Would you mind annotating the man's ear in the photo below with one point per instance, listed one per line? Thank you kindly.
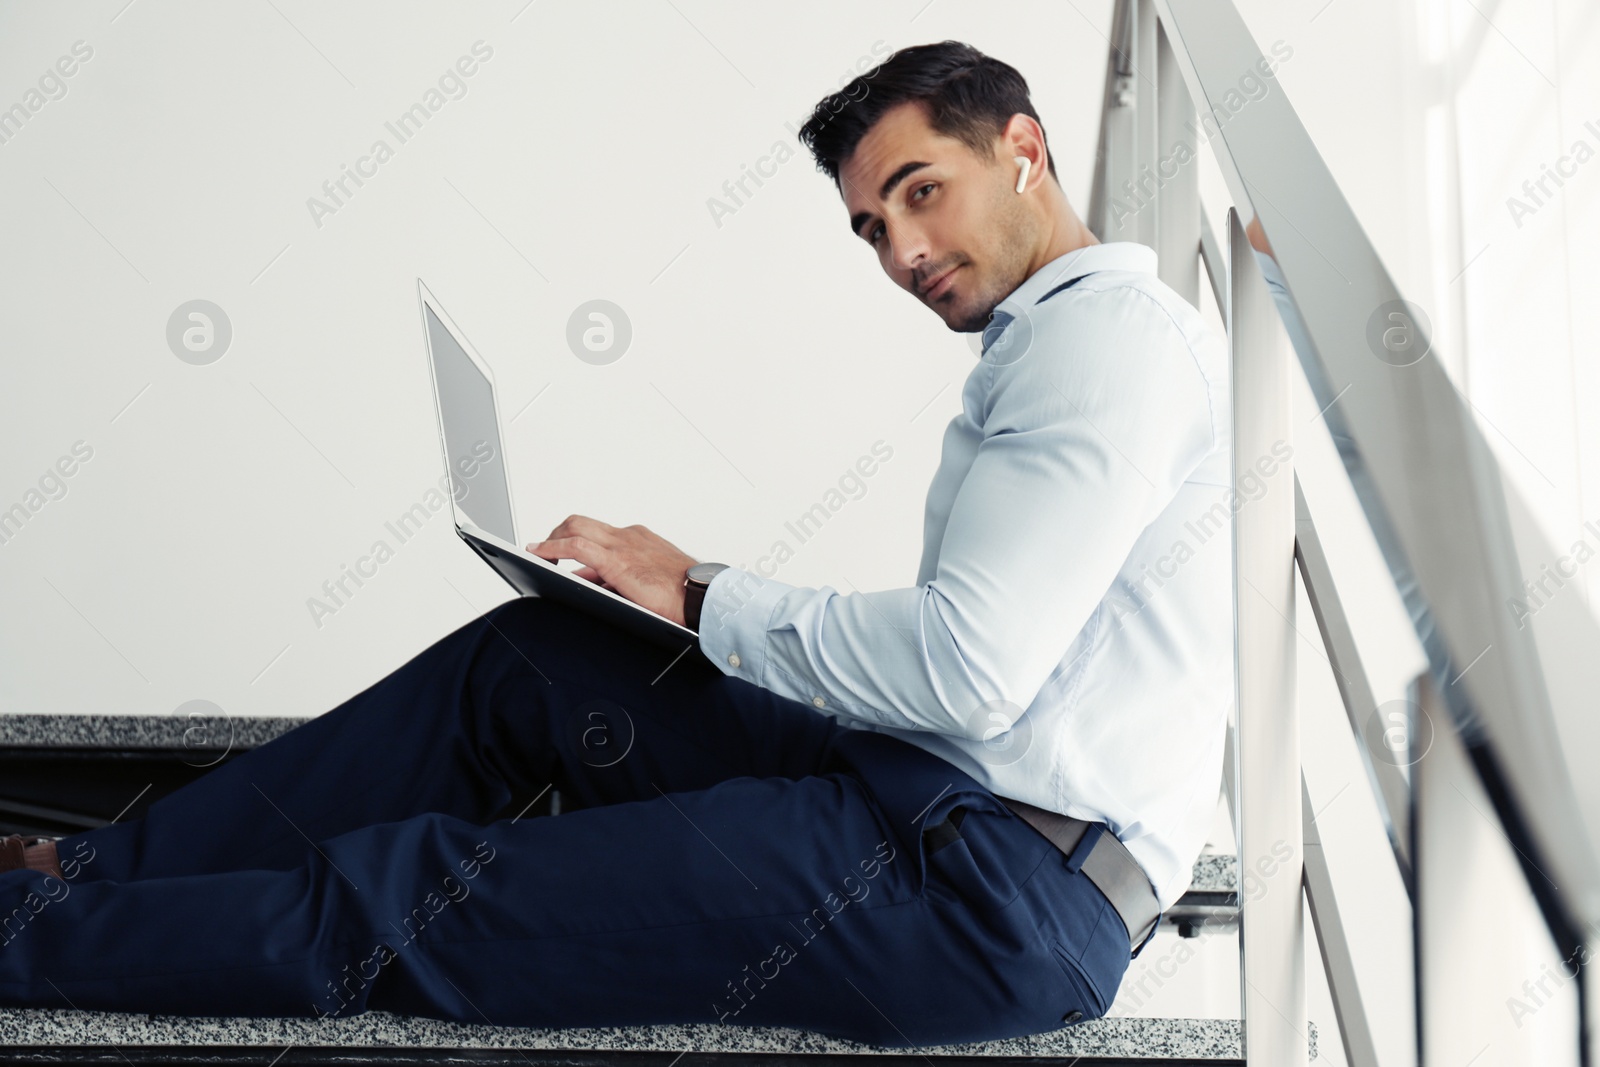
(1022, 136)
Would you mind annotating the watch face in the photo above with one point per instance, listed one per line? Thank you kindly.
(704, 572)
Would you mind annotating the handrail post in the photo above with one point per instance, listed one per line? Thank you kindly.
(1120, 202)
(1114, 147)
(1267, 821)
(1145, 126)
(1178, 174)
(1338, 962)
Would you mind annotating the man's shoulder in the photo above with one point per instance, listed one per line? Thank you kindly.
(1121, 309)
(1141, 293)
(1118, 306)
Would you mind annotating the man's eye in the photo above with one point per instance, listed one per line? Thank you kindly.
(918, 193)
(872, 235)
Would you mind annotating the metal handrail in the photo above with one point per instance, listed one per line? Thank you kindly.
(1422, 472)
(1425, 479)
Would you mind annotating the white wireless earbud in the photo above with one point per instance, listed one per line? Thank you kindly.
(1022, 179)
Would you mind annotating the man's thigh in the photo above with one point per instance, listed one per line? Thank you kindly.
(628, 720)
(762, 902)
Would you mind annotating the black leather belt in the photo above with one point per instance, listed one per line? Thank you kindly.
(1108, 863)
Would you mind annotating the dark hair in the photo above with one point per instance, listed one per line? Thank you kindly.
(966, 95)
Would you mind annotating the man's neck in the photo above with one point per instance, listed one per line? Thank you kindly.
(1065, 233)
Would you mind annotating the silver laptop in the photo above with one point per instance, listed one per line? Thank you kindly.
(475, 457)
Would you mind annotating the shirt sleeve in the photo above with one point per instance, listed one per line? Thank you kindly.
(1085, 439)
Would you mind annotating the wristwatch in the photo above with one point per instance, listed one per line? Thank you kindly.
(695, 584)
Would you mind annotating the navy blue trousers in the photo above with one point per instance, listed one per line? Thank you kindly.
(724, 855)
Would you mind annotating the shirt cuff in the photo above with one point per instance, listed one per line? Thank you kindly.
(733, 621)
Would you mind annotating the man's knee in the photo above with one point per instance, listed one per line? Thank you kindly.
(550, 624)
(530, 622)
(527, 609)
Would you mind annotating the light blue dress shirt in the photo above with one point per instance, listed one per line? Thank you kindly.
(1069, 638)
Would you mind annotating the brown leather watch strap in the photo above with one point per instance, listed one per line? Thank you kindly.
(695, 590)
(694, 598)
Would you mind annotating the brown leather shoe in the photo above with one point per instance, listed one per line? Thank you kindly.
(34, 853)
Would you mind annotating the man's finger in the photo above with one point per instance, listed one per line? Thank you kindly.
(582, 526)
(579, 548)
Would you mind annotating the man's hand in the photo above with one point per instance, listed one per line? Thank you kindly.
(629, 560)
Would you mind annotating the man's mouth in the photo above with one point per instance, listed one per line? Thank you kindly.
(941, 284)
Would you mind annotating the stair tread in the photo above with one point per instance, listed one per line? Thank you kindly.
(1128, 1038)
(1215, 872)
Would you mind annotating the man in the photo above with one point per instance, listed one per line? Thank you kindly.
(927, 815)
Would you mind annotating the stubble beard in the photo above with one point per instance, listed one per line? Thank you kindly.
(1016, 229)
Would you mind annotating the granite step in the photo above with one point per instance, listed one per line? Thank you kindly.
(37, 1035)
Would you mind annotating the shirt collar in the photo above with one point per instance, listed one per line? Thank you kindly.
(1108, 255)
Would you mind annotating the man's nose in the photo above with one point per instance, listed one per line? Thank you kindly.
(908, 248)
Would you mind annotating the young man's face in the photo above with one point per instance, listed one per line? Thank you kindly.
(948, 226)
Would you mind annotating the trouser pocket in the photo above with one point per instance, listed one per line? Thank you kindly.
(964, 862)
(1084, 933)
(1083, 1000)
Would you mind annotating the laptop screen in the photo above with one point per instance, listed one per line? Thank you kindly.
(471, 434)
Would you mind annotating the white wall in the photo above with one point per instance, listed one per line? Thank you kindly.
(769, 351)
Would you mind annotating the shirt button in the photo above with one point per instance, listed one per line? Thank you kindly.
(1072, 1016)
(733, 659)
(819, 702)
